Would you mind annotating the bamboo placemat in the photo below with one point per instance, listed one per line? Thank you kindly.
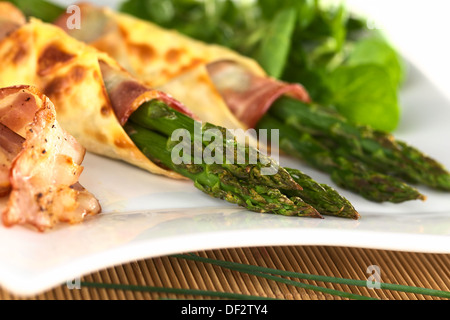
(403, 268)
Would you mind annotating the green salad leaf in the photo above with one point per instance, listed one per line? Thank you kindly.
(365, 93)
(376, 50)
(274, 49)
(44, 10)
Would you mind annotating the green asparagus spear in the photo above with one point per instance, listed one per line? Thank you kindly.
(327, 200)
(378, 150)
(346, 172)
(151, 128)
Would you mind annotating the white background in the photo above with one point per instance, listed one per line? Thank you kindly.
(420, 30)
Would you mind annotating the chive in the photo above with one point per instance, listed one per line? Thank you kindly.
(253, 270)
(359, 283)
(222, 295)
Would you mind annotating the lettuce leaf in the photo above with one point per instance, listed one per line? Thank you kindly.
(376, 50)
(366, 95)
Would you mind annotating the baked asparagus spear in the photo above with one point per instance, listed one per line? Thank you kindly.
(325, 199)
(152, 126)
(347, 173)
(358, 158)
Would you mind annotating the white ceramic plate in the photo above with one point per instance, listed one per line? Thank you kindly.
(147, 216)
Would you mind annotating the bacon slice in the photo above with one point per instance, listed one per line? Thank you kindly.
(250, 96)
(10, 146)
(18, 108)
(127, 94)
(44, 174)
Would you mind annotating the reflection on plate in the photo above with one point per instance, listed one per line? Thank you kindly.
(147, 216)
